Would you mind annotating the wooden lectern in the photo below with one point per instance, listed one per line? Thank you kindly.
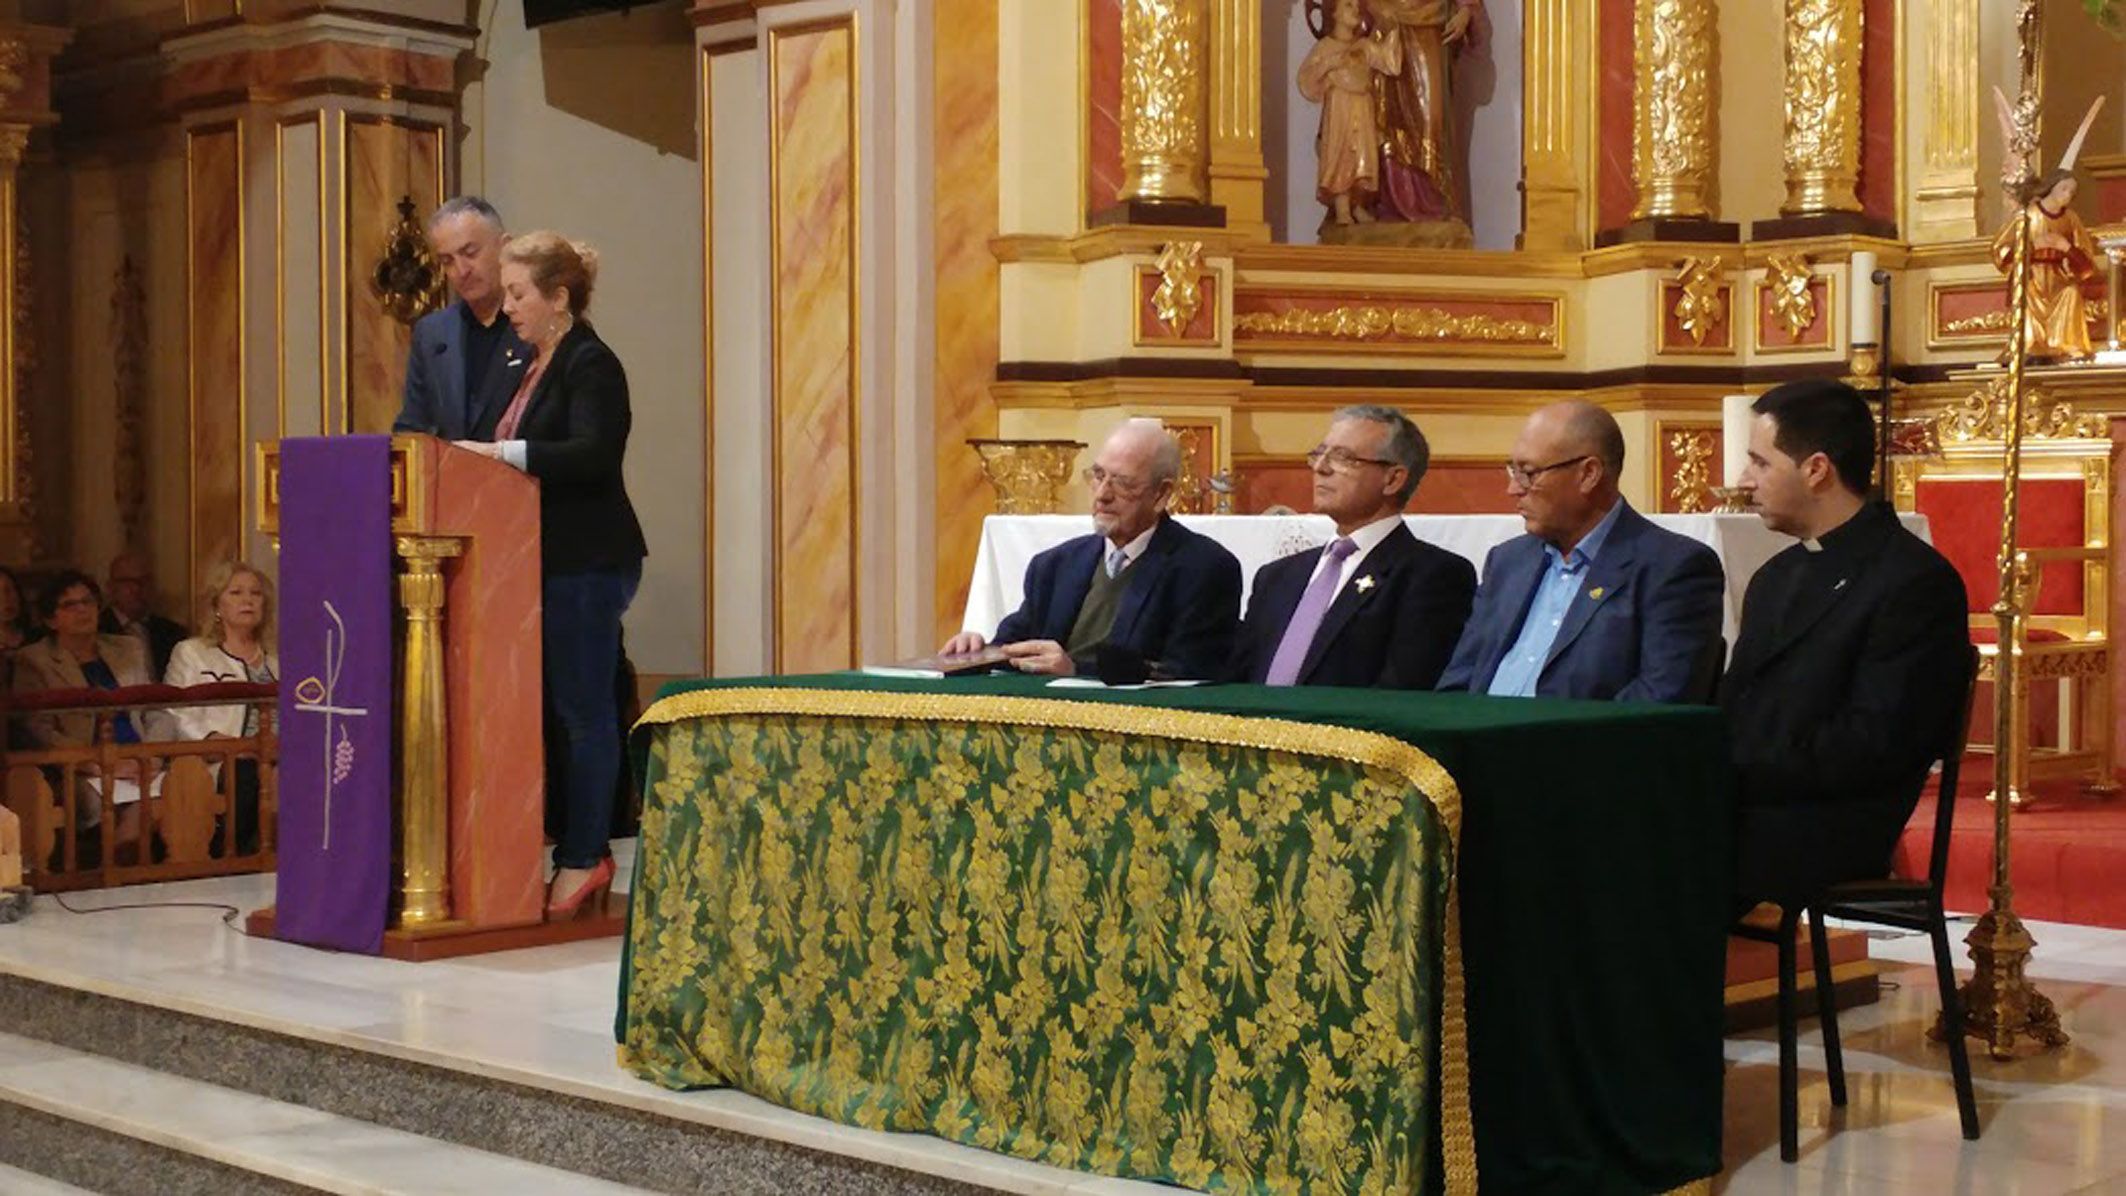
(471, 784)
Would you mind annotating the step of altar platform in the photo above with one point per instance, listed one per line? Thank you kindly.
(16, 1182)
(117, 1127)
(509, 1054)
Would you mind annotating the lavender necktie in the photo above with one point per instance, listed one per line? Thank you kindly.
(1306, 620)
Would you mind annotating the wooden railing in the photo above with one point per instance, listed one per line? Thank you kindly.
(186, 825)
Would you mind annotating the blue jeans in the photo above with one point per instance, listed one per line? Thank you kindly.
(582, 638)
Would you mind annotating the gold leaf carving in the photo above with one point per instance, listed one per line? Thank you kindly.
(1366, 322)
(1687, 489)
(1163, 55)
(1673, 108)
(1983, 415)
(1822, 105)
(1180, 293)
(1703, 305)
(1997, 321)
(1793, 295)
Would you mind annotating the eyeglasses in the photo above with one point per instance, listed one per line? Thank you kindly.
(1525, 477)
(1123, 487)
(1340, 460)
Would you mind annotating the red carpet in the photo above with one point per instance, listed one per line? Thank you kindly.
(2068, 853)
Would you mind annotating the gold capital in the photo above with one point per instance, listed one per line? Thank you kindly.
(1672, 108)
(1164, 54)
(1823, 41)
(424, 756)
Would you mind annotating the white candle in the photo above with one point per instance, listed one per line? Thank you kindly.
(1735, 419)
(1867, 301)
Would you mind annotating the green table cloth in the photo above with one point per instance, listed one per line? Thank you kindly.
(1206, 935)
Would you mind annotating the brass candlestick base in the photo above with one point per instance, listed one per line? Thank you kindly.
(2000, 1005)
(1732, 500)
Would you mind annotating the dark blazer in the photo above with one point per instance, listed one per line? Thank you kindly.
(1396, 633)
(1641, 628)
(163, 637)
(1838, 709)
(435, 400)
(575, 430)
(1181, 608)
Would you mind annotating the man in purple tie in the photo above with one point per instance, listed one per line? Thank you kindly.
(1376, 607)
(1141, 586)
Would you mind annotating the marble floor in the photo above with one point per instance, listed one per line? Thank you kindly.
(2053, 1124)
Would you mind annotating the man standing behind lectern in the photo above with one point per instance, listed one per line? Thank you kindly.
(466, 361)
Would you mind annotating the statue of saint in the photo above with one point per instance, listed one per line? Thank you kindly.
(1339, 74)
(2063, 256)
(1421, 176)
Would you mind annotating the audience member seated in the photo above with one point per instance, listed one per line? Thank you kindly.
(234, 644)
(75, 656)
(1141, 585)
(1376, 606)
(1852, 662)
(1595, 601)
(132, 593)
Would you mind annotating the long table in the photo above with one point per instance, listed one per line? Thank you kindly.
(1743, 543)
(1226, 936)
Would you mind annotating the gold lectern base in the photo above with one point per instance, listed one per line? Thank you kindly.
(450, 940)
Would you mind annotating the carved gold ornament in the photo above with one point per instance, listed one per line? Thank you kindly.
(1822, 106)
(1984, 416)
(1163, 56)
(1793, 293)
(14, 67)
(1694, 454)
(1180, 293)
(1702, 307)
(1364, 322)
(407, 281)
(1028, 473)
(1672, 108)
(1997, 321)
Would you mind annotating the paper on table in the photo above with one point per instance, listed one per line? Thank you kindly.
(1096, 683)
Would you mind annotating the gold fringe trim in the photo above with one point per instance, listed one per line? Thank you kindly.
(1321, 740)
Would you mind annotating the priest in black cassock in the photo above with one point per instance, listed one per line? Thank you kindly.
(1853, 658)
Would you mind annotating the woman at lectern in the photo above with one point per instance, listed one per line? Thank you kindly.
(568, 426)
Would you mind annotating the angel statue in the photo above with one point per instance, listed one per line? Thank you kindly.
(2063, 256)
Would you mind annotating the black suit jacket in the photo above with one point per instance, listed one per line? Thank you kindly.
(1395, 633)
(1181, 608)
(435, 401)
(1847, 681)
(575, 429)
(163, 638)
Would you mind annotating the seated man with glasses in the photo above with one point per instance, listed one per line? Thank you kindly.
(1376, 606)
(1595, 601)
(1141, 585)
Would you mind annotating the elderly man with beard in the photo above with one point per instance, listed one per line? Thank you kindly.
(1141, 583)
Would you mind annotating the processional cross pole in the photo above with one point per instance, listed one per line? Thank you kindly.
(2000, 1004)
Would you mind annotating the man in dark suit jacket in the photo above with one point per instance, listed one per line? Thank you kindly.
(1595, 601)
(129, 588)
(1376, 606)
(1141, 583)
(1853, 660)
(466, 361)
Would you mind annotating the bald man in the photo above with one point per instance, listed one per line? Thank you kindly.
(1141, 583)
(1594, 602)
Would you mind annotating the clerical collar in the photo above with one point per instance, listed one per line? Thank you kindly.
(1848, 537)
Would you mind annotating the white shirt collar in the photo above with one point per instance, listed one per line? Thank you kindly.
(1369, 537)
(1135, 548)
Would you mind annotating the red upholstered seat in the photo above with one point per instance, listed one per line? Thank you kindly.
(1964, 514)
(2035, 635)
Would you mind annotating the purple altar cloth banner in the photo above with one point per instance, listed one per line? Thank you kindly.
(334, 887)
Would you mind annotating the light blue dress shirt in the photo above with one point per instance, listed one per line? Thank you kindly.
(1522, 666)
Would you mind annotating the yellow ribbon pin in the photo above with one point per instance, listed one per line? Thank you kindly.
(1597, 593)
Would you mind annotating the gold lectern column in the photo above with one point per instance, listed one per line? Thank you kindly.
(1823, 115)
(1672, 108)
(1165, 56)
(424, 746)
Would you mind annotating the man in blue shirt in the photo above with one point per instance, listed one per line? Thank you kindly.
(1595, 601)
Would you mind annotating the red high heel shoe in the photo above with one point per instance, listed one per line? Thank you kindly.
(598, 883)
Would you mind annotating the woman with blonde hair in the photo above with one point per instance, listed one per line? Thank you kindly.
(234, 644)
(568, 426)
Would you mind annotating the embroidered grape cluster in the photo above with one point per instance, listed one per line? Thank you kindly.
(342, 758)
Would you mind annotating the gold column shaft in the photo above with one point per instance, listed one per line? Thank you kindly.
(1237, 172)
(424, 756)
(1823, 43)
(1553, 46)
(1673, 105)
(1164, 64)
(1945, 204)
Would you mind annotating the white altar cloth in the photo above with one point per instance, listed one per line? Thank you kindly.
(1743, 543)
